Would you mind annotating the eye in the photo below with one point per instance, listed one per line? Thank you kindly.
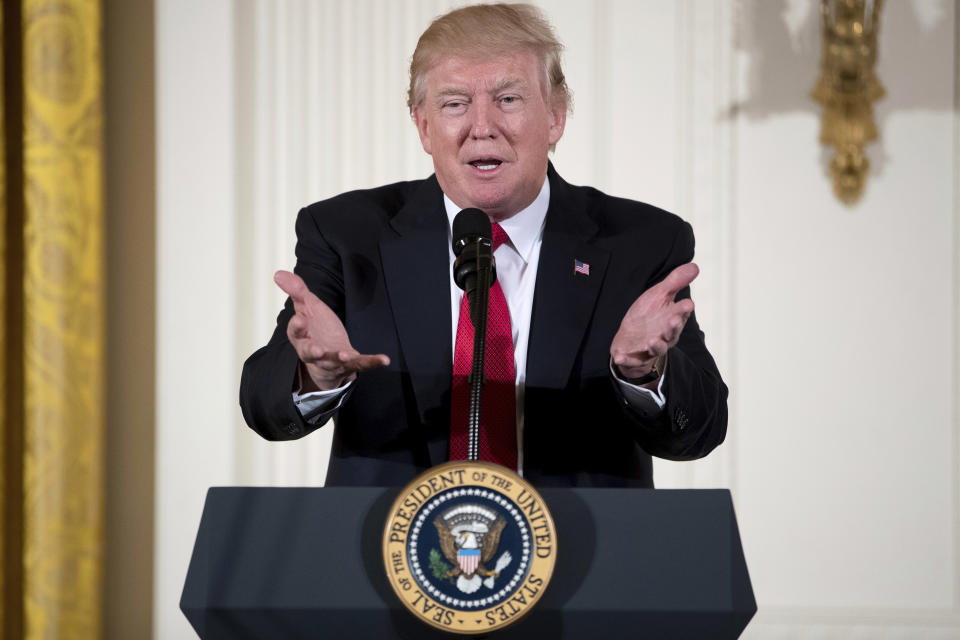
(509, 102)
(455, 106)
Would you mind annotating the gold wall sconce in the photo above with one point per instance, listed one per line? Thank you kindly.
(847, 89)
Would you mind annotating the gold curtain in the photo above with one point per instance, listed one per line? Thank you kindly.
(3, 337)
(52, 339)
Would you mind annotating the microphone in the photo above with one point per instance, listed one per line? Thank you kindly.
(474, 267)
(474, 271)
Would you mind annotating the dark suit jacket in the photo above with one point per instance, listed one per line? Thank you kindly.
(379, 259)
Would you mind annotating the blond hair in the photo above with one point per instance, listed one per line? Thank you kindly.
(484, 31)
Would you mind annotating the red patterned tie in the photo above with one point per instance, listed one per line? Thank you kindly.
(498, 414)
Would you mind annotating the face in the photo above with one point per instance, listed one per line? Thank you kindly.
(489, 128)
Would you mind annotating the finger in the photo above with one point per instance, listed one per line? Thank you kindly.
(673, 328)
(679, 278)
(327, 374)
(292, 285)
(684, 307)
(672, 335)
(675, 322)
(362, 362)
(657, 347)
(297, 327)
(633, 360)
(320, 355)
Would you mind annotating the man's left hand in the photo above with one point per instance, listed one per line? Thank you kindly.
(653, 323)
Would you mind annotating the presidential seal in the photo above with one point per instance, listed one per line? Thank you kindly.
(469, 547)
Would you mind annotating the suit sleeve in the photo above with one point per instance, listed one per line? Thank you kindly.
(694, 420)
(269, 375)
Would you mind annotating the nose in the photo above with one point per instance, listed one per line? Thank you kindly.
(483, 120)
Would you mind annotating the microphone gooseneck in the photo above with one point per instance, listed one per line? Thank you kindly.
(474, 271)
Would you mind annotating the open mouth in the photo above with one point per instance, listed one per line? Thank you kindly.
(486, 164)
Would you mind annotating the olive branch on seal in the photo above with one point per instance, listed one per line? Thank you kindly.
(438, 567)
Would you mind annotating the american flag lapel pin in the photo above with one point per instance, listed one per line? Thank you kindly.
(581, 267)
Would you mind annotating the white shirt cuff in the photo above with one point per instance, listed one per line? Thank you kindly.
(646, 402)
(312, 404)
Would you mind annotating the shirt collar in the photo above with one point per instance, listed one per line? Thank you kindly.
(524, 228)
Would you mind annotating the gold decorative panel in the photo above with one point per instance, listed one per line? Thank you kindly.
(4, 596)
(58, 235)
(847, 89)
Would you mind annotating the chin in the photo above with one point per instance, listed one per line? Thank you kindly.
(489, 200)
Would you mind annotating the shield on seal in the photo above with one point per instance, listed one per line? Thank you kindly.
(468, 560)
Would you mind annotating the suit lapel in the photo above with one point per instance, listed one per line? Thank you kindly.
(416, 262)
(564, 300)
(416, 268)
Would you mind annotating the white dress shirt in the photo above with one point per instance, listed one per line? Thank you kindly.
(517, 262)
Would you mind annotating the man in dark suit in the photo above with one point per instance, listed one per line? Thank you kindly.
(610, 366)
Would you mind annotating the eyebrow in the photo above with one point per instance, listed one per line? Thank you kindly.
(507, 83)
(500, 85)
(452, 91)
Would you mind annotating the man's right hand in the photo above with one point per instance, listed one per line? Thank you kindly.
(320, 339)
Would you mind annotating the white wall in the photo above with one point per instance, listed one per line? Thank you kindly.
(836, 328)
(196, 284)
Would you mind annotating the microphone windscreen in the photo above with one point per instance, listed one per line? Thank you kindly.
(468, 226)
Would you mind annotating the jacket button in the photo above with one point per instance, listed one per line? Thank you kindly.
(292, 428)
(680, 416)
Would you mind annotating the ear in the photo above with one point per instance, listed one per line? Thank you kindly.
(420, 119)
(558, 121)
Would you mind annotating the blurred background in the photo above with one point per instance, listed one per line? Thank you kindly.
(157, 152)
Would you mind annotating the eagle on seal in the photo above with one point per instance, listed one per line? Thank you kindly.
(469, 547)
